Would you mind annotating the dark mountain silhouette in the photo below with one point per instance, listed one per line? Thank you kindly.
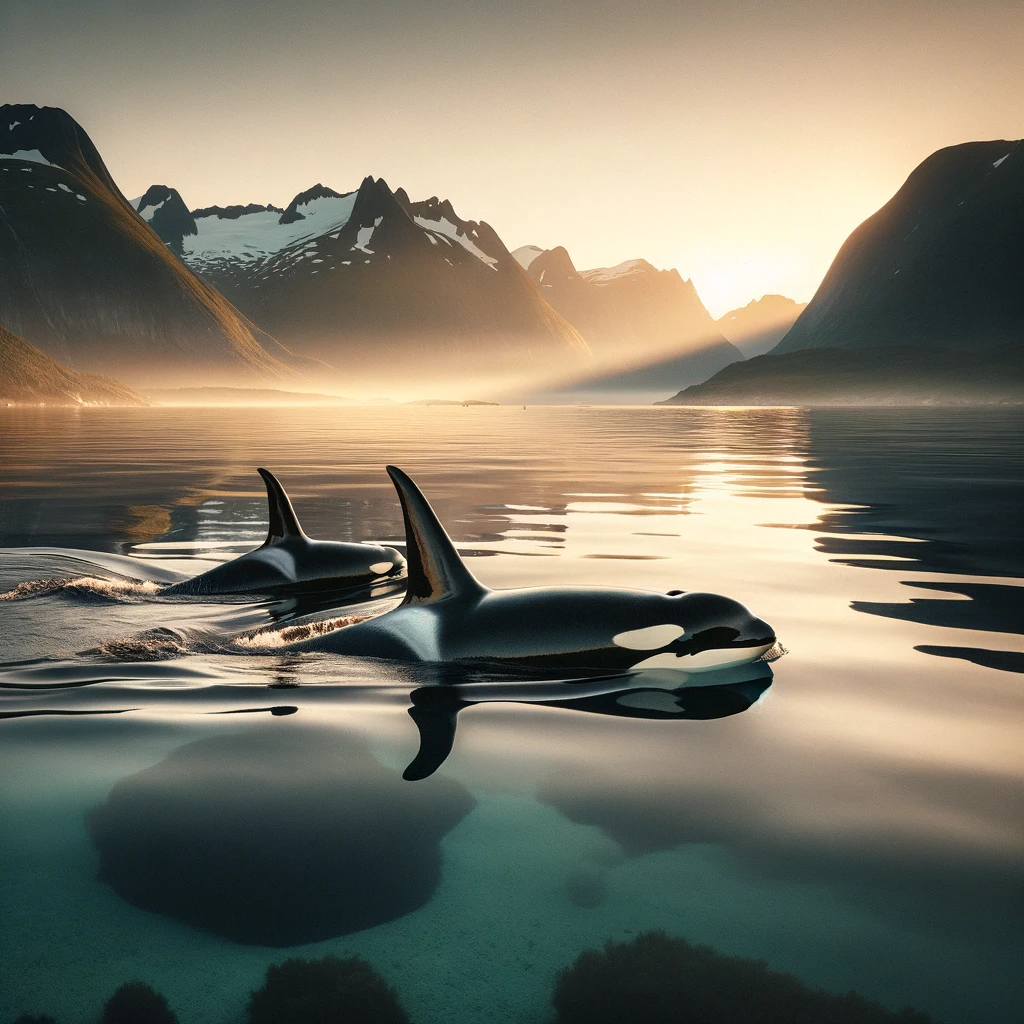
(941, 264)
(30, 376)
(86, 279)
(924, 302)
(648, 328)
(372, 281)
(761, 324)
(880, 375)
(161, 207)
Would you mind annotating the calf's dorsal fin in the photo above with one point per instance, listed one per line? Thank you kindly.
(283, 520)
(435, 569)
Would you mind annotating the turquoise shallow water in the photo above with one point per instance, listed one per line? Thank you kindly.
(859, 826)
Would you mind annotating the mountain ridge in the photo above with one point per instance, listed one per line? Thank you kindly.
(924, 301)
(90, 283)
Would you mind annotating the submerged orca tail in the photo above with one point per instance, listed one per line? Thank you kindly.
(435, 568)
(283, 520)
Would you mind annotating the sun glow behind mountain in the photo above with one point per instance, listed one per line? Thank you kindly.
(736, 142)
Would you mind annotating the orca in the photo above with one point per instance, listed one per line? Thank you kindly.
(289, 560)
(449, 616)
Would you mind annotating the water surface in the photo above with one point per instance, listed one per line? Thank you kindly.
(859, 826)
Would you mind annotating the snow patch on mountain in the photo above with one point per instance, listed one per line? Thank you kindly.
(446, 228)
(363, 236)
(147, 212)
(1000, 160)
(526, 254)
(254, 236)
(28, 156)
(603, 275)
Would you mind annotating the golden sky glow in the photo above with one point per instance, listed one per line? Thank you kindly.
(738, 142)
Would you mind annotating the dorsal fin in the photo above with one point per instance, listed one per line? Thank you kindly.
(283, 520)
(434, 566)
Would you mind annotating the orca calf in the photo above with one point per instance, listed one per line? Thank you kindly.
(448, 616)
(289, 559)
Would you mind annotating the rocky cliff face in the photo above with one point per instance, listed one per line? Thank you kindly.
(89, 282)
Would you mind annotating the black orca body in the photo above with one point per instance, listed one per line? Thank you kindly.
(288, 559)
(448, 616)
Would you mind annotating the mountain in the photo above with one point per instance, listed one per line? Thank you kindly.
(874, 375)
(30, 376)
(942, 263)
(87, 280)
(761, 324)
(375, 283)
(163, 210)
(924, 301)
(648, 328)
(630, 311)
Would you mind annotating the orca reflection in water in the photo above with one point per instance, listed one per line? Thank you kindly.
(448, 616)
(652, 694)
(288, 558)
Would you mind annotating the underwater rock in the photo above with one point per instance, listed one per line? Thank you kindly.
(136, 1003)
(655, 979)
(324, 992)
(585, 890)
(640, 818)
(277, 836)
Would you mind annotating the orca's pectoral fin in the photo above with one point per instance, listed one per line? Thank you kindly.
(435, 712)
(435, 569)
(283, 520)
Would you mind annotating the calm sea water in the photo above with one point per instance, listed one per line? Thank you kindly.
(186, 807)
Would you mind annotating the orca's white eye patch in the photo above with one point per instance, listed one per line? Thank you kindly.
(650, 638)
(379, 567)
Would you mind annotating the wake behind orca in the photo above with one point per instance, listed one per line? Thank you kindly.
(449, 616)
(288, 559)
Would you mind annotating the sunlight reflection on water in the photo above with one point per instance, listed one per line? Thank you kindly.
(859, 826)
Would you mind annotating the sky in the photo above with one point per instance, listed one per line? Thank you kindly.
(738, 141)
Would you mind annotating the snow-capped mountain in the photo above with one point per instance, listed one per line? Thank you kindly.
(648, 327)
(370, 279)
(87, 281)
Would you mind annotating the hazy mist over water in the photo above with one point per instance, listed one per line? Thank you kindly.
(859, 826)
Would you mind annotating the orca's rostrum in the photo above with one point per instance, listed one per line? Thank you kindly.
(449, 616)
(288, 559)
